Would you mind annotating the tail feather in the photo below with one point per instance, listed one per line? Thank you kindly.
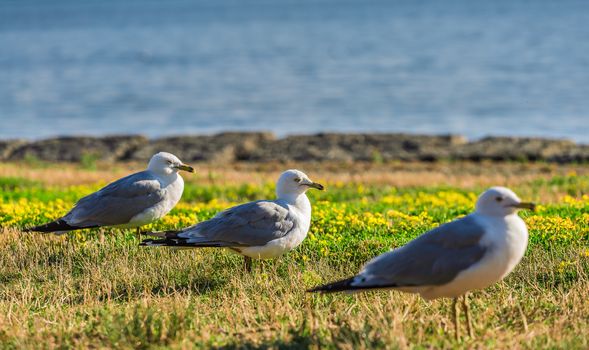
(345, 285)
(58, 225)
(166, 238)
(338, 286)
(173, 239)
(178, 242)
(163, 234)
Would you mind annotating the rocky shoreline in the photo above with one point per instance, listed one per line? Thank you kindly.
(266, 147)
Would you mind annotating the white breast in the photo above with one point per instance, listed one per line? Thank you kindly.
(506, 239)
(293, 239)
(172, 194)
(277, 247)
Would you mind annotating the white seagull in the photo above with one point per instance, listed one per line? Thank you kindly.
(262, 229)
(468, 253)
(132, 201)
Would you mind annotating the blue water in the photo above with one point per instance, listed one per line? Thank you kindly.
(503, 67)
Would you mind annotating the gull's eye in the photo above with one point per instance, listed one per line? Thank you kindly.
(498, 199)
(298, 179)
(169, 162)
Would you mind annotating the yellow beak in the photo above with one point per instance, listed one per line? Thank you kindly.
(185, 168)
(526, 205)
(316, 185)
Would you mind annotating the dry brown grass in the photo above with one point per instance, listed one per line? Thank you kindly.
(107, 292)
(115, 294)
(463, 174)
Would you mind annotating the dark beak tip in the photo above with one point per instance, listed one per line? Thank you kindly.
(186, 168)
(527, 205)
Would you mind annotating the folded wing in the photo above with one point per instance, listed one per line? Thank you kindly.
(246, 225)
(117, 203)
(434, 258)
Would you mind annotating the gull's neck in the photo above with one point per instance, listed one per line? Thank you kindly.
(495, 216)
(166, 179)
(298, 200)
(290, 198)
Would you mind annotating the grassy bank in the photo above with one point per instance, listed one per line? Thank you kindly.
(99, 289)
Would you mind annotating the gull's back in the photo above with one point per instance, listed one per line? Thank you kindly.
(434, 258)
(250, 224)
(118, 202)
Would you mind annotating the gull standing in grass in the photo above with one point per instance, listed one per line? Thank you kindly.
(262, 229)
(468, 253)
(132, 201)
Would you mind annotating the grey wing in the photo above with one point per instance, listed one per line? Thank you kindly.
(118, 202)
(250, 224)
(434, 258)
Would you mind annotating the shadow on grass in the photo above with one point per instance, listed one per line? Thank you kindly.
(565, 280)
(305, 338)
(300, 342)
(132, 292)
(8, 277)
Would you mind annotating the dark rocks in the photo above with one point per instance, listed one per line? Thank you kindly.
(577, 154)
(224, 147)
(356, 147)
(8, 147)
(75, 149)
(265, 147)
(514, 149)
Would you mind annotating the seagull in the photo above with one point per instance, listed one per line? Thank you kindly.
(469, 253)
(130, 202)
(263, 229)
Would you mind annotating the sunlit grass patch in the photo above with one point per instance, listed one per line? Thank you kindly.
(98, 288)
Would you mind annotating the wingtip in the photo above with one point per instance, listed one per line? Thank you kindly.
(58, 226)
(339, 286)
(148, 243)
(153, 234)
(161, 234)
(49, 227)
(161, 242)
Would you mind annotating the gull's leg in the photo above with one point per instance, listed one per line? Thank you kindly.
(101, 235)
(247, 263)
(466, 309)
(456, 328)
(138, 233)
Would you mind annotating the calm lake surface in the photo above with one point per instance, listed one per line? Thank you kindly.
(504, 67)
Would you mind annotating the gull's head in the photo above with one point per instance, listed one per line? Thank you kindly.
(500, 201)
(165, 163)
(294, 182)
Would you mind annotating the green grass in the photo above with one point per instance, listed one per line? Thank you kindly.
(99, 289)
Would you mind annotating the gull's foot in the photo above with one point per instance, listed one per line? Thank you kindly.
(247, 263)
